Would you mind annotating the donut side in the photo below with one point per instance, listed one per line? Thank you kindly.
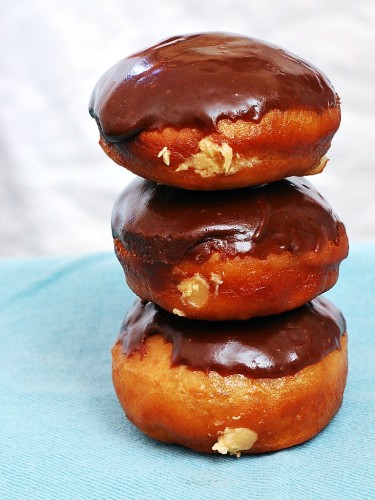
(238, 153)
(203, 411)
(224, 288)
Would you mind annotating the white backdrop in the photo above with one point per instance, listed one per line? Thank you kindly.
(57, 186)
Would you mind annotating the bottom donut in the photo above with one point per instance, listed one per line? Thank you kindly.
(233, 387)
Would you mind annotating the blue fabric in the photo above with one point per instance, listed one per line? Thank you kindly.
(64, 435)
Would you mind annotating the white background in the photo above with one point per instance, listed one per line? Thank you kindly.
(57, 186)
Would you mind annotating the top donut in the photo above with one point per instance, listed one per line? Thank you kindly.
(215, 111)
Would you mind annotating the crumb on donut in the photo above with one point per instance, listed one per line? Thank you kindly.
(217, 423)
(217, 280)
(166, 154)
(194, 290)
(319, 168)
(233, 441)
(211, 160)
(178, 312)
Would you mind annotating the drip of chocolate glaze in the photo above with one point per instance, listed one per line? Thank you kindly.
(162, 224)
(196, 80)
(269, 347)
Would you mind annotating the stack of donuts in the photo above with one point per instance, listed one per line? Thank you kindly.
(229, 347)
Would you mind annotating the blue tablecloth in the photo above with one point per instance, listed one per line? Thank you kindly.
(64, 435)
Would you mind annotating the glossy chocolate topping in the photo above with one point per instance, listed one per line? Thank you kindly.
(164, 224)
(196, 80)
(258, 348)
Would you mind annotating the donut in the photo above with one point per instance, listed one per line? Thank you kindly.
(215, 111)
(231, 387)
(223, 255)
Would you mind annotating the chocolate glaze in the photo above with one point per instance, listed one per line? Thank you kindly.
(258, 348)
(196, 80)
(162, 224)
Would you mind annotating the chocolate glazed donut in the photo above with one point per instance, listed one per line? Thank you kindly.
(243, 386)
(229, 254)
(215, 111)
